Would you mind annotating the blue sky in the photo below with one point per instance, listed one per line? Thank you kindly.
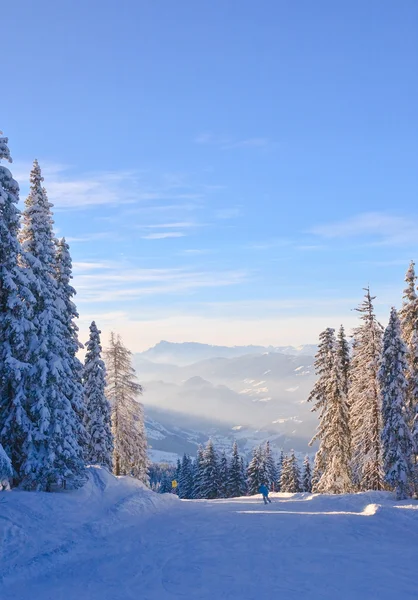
(225, 172)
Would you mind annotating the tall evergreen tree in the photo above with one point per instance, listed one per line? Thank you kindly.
(244, 469)
(279, 470)
(256, 472)
(334, 435)
(307, 475)
(270, 467)
(343, 356)
(198, 474)
(57, 456)
(365, 401)
(324, 369)
(6, 471)
(129, 440)
(210, 472)
(409, 327)
(186, 483)
(165, 486)
(97, 408)
(398, 448)
(16, 330)
(290, 480)
(236, 481)
(68, 314)
(223, 476)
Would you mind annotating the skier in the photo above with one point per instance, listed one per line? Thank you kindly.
(263, 489)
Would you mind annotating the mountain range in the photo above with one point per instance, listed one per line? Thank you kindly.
(250, 394)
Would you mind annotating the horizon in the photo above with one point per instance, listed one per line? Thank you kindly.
(235, 192)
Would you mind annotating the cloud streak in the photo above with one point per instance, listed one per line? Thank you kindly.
(379, 227)
(163, 235)
(107, 281)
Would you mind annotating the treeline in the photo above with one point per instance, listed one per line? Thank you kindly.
(56, 415)
(367, 401)
(214, 475)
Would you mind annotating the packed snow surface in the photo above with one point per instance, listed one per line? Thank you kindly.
(115, 540)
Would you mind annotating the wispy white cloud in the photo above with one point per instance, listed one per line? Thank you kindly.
(74, 190)
(163, 235)
(107, 281)
(379, 227)
(180, 225)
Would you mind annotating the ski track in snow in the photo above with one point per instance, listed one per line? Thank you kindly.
(114, 540)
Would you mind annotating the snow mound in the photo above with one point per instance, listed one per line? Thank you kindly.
(38, 529)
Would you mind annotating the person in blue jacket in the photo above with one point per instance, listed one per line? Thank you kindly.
(263, 489)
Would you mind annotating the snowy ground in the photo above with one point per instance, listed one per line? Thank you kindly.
(114, 540)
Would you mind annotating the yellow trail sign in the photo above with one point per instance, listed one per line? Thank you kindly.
(174, 484)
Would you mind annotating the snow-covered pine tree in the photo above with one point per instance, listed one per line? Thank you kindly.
(186, 482)
(271, 469)
(307, 475)
(256, 472)
(286, 475)
(210, 473)
(236, 480)
(16, 329)
(364, 400)
(334, 434)
(290, 480)
(122, 391)
(317, 471)
(98, 426)
(324, 365)
(198, 474)
(6, 471)
(244, 469)
(279, 470)
(397, 444)
(342, 350)
(409, 326)
(165, 485)
(67, 311)
(56, 455)
(223, 476)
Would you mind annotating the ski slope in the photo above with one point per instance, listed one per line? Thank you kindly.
(115, 540)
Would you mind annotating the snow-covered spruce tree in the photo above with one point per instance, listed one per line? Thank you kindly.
(397, 444)
(334, 435)
(290, 479)
(279, 470)
(122, 391)
(307, 475)
(244, 469)
(98, 426)
(56, 456)
(324, 365)
(16, 329)
(342, 350)
(198, 474)
(256, 472)
(186, 482)
(210, 473)
(409, 327)
(6, 471)
(165, 486)
(317, 471)
(236, 481)
(364, 400)
(68, 314)
(271, 469)
(223, 476)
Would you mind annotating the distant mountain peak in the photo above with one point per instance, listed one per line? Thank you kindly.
(187, 353)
